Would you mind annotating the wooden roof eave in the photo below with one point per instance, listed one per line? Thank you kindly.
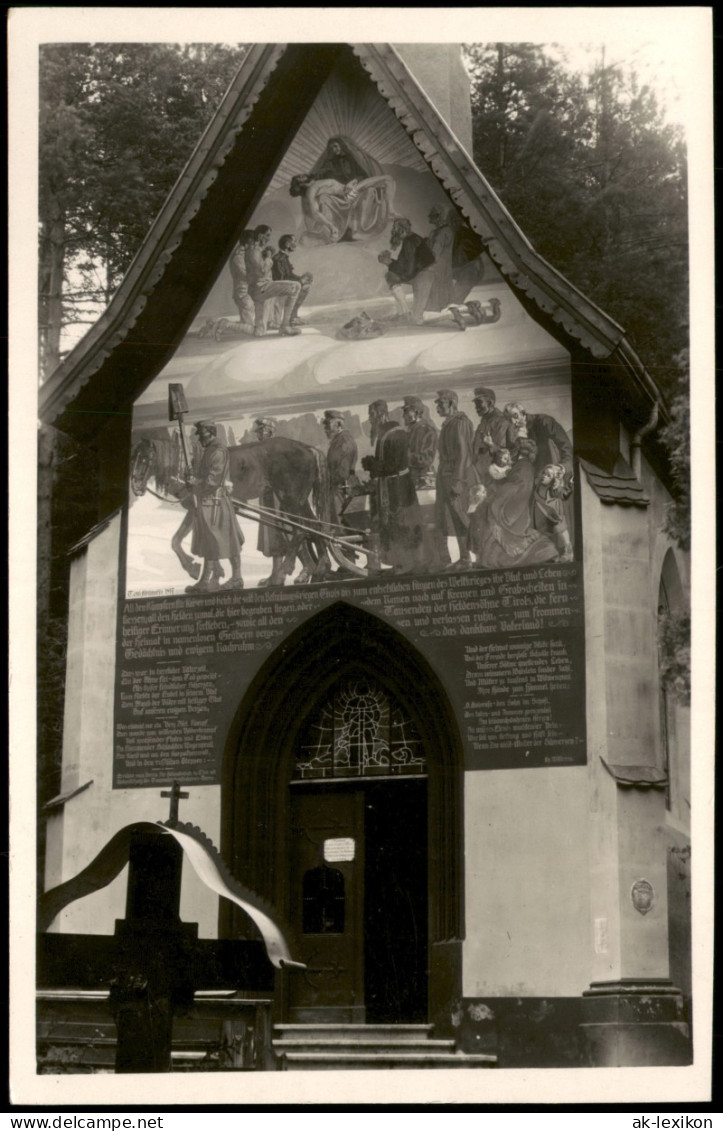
(149, 264)
(507, 244)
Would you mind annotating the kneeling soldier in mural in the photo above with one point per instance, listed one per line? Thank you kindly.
(282, 271)
(239, 278)
(263, 288)
(413, 264)
(216, 533)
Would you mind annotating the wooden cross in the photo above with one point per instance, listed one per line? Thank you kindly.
(176, 794)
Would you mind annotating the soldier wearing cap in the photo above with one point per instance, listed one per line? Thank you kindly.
(264, 427)
(341, 460)
(493, 431)
(272, 543)
(394, 507)
(421, 454)
(216, 533)
(456, 475)
(422, 442)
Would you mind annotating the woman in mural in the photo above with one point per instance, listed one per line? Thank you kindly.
(501, 530)
(334, 211)
(345, 161)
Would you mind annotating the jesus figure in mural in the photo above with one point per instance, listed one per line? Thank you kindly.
(334, 211)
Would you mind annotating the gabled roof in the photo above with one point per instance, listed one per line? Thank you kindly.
(236, 157)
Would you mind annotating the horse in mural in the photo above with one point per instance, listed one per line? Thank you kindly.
(293, 471)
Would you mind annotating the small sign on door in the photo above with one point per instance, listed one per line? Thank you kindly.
(338, 849)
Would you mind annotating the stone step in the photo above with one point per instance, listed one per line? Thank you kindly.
(349, 1032)
(319, 1061)
(62, 1028)
(363, 1044)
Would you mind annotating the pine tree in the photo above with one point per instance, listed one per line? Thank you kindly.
(117, 124)
(596, 180)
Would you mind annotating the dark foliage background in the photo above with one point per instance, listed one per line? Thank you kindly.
(117, 124)
(597, 181)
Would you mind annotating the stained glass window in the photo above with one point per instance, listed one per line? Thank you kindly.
(359, 732)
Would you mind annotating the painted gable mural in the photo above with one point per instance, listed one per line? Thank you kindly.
(378, 399)
(363, 412)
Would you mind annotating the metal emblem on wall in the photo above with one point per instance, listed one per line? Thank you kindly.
(642, 894)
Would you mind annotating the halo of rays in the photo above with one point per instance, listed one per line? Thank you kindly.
(358, 111)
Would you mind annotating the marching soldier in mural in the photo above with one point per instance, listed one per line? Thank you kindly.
(421, 453)
(412, 264)
(216, 533)
(422, 442)
(495, 430)
(341, 460)
(394, 507)
(271, 542)
(456, 475)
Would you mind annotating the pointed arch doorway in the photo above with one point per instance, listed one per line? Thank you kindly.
(342, 806)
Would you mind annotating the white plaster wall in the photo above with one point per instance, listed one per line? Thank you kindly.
(439, 70)
(527, 892)
(643, 856)
(623, 728)
(602, 790)
(630, 623)
(88, 821)
(679, 715)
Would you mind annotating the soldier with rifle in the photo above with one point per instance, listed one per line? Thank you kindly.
(216, 532)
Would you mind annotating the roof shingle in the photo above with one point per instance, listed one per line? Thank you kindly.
(620, 486)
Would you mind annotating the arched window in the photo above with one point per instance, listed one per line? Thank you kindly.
(674, 669)
(359, 731)
(663, 617)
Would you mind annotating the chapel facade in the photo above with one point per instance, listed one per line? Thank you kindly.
(368, 558)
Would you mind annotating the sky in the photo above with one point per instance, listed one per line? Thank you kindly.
(653, 59)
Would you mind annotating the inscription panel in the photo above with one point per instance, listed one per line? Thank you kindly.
(508, 646)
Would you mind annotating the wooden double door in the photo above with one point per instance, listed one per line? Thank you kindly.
(358, 901)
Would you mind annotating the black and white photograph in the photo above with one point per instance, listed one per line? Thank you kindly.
(358, 731)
